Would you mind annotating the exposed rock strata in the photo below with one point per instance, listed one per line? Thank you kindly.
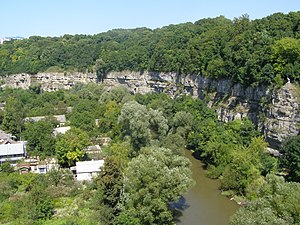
(276, 113)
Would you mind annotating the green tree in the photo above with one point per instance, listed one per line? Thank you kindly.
(141, 124)
(40, 205)
(110, 185)
(290, 159)
(243, 130)
(286, 54)
(70, 147)
(108, 120)
(5, 167)
(153, 179)
(182, 122)
(39, 137)
(277, 203)
(240, 172)
(13, 116)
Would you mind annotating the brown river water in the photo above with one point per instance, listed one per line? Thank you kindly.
(204, 204)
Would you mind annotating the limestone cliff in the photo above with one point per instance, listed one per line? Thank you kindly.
(48, 81)
(276, 113)
(282, 115)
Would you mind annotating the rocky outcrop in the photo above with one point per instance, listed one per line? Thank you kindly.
(170, 83)
(282, 115)
(276, 113)
(48, 81)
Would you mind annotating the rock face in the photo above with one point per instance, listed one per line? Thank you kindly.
(48, 81)
(276, 113)
(282, 115)
(170, 83)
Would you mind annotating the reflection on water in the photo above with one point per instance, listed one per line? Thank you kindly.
(203, 204)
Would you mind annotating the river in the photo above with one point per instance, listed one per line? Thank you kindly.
(204, 204)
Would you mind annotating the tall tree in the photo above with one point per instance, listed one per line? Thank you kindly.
(153, 179)
(141, 124)
(70, 147)
(110, 185)
(39, 137)
(290, 159)
(13, 116)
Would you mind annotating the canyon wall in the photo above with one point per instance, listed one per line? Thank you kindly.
(276, 112)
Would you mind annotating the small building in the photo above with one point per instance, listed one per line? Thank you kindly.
(94, 152)
(23, 168)
(61, 130)
(60, 118)
(6, 138)
(42, 167)
(86, 170)
(12, 152)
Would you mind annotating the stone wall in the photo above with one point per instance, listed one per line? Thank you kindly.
(276, 113)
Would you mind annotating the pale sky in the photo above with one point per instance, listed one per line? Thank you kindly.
(58, 17)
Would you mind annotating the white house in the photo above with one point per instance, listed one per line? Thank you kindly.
(61, 130)
(86, 170)
(12, 152)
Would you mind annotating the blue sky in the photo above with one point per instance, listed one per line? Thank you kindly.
(58, 17)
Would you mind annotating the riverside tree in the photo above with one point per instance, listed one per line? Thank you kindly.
(153, 179)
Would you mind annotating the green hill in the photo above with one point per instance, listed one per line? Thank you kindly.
(248, 51)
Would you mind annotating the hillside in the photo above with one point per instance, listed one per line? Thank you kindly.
(262, 51)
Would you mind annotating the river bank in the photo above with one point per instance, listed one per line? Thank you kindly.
(203, 204)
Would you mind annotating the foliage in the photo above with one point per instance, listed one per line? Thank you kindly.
(70, 147)
(243, 50)
(153, 179)
(120, 151)
(5, 167)
(277, 203)
(290, 160)
(137, 183)
(110, 185)
(39, 202)
(108, 120)
(39, 137)
(13, 116)
(141, 124)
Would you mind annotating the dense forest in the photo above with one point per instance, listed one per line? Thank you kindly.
(248, 51)
(145, 168)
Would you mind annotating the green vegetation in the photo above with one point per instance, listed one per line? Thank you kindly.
(138, 133)
(277, 203)
(291, 157)
(247, 51)
(145, 168)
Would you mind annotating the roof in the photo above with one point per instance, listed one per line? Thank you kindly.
(24, 165)
(93, 148)
(60, 118)
(89, 166)
(12, 149)
(6, 138)
(61, 130)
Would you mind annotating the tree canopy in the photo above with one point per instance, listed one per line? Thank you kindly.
(244, 50)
